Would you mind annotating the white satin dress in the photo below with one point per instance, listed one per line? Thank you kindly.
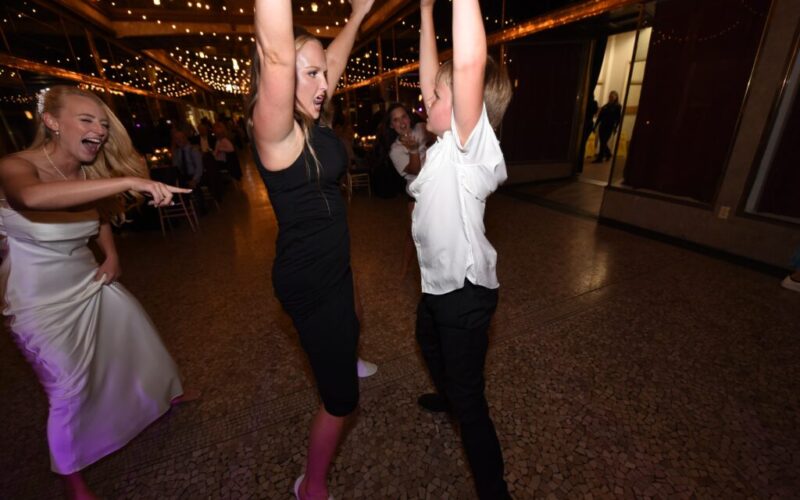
(98, 356)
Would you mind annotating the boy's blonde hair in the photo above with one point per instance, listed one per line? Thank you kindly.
(496, 88)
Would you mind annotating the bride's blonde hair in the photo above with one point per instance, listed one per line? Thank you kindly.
(117, 156)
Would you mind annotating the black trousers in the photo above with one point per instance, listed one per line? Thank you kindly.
(452, 332)
(605, 151)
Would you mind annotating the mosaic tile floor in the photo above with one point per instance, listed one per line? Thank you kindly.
(620, 367)
(573, 196)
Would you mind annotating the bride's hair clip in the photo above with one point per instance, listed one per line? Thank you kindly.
(40, 101)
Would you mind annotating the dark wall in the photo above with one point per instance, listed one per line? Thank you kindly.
(538, 126)
(699, 63)
(781, 192)
(16, 124)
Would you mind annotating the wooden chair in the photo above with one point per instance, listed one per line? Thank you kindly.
(182, 204)
(357, 178)
(358, 181)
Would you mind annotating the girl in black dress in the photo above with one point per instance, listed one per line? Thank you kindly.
(301, 163)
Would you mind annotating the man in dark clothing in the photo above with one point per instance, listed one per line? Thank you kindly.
(607, 123)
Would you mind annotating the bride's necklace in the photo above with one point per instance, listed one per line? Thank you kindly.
(44, 150)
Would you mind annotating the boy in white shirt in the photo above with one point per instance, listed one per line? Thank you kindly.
(465, 98)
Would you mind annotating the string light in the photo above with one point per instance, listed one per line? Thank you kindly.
(223, 74)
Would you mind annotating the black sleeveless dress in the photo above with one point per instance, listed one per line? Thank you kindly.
(311, 274)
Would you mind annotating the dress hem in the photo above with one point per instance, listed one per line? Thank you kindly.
(108, 450)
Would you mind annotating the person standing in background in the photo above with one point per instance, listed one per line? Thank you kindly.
(607, 122)
(406, 145)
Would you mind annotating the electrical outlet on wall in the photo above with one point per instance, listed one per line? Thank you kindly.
(724, 212)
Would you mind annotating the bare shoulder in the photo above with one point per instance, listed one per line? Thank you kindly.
(18, 163)
(18, 169)
(280, 155)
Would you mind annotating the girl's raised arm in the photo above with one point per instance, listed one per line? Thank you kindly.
(274, 131)
(338, 52)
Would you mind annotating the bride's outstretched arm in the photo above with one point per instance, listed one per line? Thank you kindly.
(24, 190)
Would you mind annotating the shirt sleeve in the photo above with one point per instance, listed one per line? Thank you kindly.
(481, 160)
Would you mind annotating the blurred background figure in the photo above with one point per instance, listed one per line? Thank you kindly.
(607, 122)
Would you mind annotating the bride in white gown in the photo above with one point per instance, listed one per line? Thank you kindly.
(94, 349)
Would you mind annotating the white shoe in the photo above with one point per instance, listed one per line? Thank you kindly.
(365, 368)
(297, 488)
(789, 284)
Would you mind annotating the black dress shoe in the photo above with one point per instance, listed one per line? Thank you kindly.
(434, 403)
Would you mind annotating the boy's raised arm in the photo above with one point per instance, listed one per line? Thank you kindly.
(469, 65)
(274, 109)
(428, 54)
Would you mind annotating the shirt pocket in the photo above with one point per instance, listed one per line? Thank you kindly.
(477, 180)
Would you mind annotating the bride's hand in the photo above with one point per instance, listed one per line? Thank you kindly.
(160, 193)
(109, 271)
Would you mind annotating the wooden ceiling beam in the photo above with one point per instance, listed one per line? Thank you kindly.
(83, 10)
(384, 14)
(163, 59)
(148, 28)
(64, 74)
(205, 16)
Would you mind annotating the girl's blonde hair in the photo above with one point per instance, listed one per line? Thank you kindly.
(301, 37)
(117, 156)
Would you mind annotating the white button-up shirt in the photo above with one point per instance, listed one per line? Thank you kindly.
(447, 222)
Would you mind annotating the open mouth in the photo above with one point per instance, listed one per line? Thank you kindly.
(318, 101)
(92, 145)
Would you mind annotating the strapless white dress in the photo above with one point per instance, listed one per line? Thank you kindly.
(98, 356)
